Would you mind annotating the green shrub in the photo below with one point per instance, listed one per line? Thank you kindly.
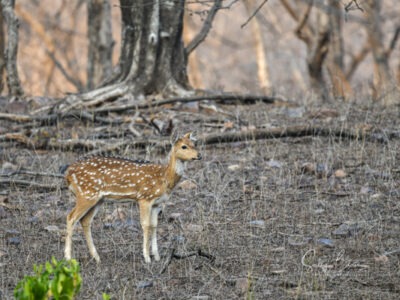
(59, 280)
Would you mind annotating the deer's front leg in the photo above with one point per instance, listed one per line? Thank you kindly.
(145, 222)
(154, 222)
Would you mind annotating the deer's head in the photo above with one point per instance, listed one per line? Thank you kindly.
(184, 148)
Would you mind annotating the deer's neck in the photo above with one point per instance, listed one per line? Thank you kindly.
(174, 171)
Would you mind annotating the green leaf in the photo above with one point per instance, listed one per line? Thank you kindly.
(59, 280)
(106, 296)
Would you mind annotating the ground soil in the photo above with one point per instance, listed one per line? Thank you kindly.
(314, 217)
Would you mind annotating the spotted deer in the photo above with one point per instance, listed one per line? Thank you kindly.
(94, 179)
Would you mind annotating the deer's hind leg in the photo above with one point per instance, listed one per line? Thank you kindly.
(86, 222)
(82, 207)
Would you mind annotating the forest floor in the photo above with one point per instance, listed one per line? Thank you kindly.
(307, 217)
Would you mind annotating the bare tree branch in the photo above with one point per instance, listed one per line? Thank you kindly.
(254, 13)
(200, 37)
(302, 23)
(393, 42)
(68, 77)
(349, 6)
(357, 59)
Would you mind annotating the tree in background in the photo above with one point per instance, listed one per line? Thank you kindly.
(11, 50)
(100, 48)
(324, 41)
(382, 80)
(153, 59)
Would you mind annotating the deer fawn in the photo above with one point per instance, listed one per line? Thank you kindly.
(96, 178)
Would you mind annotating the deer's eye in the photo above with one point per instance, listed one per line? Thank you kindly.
(184, 147)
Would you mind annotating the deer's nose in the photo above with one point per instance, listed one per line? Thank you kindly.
(199, 157)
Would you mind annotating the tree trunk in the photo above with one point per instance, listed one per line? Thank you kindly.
(100, 42)
(340, 85)
(317, 40)
(13, 83)
(382, 78)
(317, 51)
(152, 58)
(261, 56)
(194, 75)
(2, 46)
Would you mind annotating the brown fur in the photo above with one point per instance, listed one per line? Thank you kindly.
(96, 178)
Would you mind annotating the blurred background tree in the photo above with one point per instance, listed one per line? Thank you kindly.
(322, 49)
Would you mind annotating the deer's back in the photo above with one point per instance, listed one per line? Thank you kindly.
(115, 178)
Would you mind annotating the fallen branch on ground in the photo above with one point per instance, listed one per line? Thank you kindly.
(294, 131)
(243, 99)
(30, 184)
(174, 254)
(52, 118)
(99, 146)
(92, 115)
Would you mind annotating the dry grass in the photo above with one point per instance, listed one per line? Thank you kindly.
(278, 257)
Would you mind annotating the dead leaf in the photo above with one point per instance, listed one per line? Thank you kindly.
(74, 135)
(174, 216)
(308, 168)
(278, 272)
(118, 214)
(3, 253)
(228, 125)
(340, 173)
(324, 113)
(242, 284)
(3, 213)
(8, 167)
(278, 249)
(248, 128)
(209, 108)
(364, 128)
(234, 167)
(272, 163)
(52, 228)
(187, 185)
(194, 227)
(381, 258)
(3, 199)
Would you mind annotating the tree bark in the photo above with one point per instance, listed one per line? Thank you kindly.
(100, 42)
(2, 47)
(317, 40)
(152, 58)
(382, 78)
(340, 85)
(194, 75)
(13, 82)
(152, 53)
(261, 56)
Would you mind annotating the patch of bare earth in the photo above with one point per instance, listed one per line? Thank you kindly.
(308, 217)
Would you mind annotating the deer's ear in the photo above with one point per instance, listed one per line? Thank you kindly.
(191, 136)
(174, 137)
